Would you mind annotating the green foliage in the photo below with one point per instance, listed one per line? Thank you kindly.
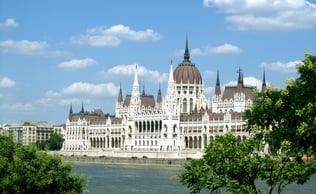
(24, 170)
(288, 114)
(228, 162)
(55, 142)
(283, 126)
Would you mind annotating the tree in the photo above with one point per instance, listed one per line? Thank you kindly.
(55, 142)
(283, 126)
(25, 170)
(228, 162)
(288, 114)
(285, 120)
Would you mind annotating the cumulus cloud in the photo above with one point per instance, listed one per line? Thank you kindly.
(222, 49)
(268, 15)
(24, 46)
(77, 63)
(248, 81)
(6, 82)
(129, 70)
(16, 107)
(207, 51)
(289, 67)
(29, 48)
(209, 74)
(209, 90)
(51, 93)
(108, 89)
(9, 23)
(112, 36)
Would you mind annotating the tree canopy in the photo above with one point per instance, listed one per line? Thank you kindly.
(25, 170)
(288, 114)
(55, 142)
(281, 147)
(228, 162)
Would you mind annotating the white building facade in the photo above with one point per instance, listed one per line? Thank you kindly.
(181, 121)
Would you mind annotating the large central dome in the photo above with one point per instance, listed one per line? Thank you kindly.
(186, 72)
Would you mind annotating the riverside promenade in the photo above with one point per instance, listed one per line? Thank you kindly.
(131, 158)
(126, 161)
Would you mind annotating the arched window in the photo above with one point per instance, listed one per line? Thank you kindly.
(191, 104)
(185, 104)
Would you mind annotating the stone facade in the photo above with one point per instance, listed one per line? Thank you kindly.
(28, 133)
(181, 121)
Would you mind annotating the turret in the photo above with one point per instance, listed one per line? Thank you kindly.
(186, 52)
(240, 82)
(82, 109)
(135, 101)
(120, 95)
(159, 97)
(70, 112)
(135, 91)
(218, 86)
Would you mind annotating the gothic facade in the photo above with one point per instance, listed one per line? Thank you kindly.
(182, 120)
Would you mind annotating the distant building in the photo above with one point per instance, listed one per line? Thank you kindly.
(31, 132)
(180, 121)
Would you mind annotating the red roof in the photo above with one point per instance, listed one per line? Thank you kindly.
(146, 100)
(186, 72)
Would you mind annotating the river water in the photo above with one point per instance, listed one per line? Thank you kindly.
(124, 179)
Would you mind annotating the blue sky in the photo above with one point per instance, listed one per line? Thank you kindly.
(57, 53)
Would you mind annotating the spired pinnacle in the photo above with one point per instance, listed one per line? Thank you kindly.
(82, 109)
(70, 111)
(186, 52)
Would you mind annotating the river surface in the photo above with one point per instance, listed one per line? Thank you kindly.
(124, 179)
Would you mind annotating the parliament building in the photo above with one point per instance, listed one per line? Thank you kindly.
(181, 121)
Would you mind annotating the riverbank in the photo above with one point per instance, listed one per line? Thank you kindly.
(125, 160)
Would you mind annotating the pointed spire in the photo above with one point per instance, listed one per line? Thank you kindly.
(159, 97)
(186, 52)
(136, 90)
(143, 92)
(171, 74)
(264, 84)
(136, 83)
(159, 90)
(82, 109)
(70, 110)
(240, 76)
(218, 86)
(217, 79)
(240, 81)
(120, 96)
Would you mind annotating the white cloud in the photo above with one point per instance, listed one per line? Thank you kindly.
(16, 107)
(209, 74)
(129, 70)
(107, 37)
(108, 89)
(9, 23)
(270, 15)
(222, 49)
(24, 46)
(6, 82)
(29, 48)
(51, 93)
(77, 63)
(289, 67)
(248, 81)
(209, 91)
(74, 101)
